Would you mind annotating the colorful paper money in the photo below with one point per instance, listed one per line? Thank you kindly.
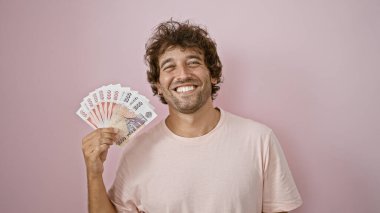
(118, 107)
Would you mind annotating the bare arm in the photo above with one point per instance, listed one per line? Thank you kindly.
(95, 146)
(97, 197)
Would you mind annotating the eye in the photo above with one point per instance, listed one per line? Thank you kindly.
(168, 68)
(193, 63)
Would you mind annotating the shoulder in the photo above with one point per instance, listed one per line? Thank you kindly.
(149, 133)
(246, 125)
(140, 142)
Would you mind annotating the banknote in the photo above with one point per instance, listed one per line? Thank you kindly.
(119, 107)
(85, 115)
(128, 121)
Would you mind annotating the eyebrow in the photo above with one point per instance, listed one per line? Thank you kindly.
(193, 56)
(165, 61)
(187, 57)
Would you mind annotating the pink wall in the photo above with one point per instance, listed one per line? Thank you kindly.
(308, 69)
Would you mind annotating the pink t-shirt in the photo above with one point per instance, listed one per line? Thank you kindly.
(237, 167)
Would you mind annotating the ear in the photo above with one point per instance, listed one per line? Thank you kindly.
(214, 81)
(159, 89)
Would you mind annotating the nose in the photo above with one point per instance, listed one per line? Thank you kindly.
(183, 71)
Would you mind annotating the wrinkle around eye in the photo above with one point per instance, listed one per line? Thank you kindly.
(168, 68)
(193, 65)
(193, 61)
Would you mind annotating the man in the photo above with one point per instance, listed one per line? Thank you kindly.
(200, 158)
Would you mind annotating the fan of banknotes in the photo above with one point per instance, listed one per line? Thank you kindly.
(119, 107)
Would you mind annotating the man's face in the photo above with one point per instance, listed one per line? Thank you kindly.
(184, 81)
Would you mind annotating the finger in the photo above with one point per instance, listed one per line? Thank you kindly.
(93, 153)
(109, 135)
(109, 130)
(100, 149)
(98, 134)
(103, 147)
(88, 149)
(95, 150)
(103, 155)
(96, 143)
(92, 134)
(108, 141)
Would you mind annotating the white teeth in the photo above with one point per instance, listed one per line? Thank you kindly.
(185, 88)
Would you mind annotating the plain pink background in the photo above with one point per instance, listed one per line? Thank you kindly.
(308, 69)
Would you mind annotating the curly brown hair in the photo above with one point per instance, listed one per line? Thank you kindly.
(184, 35)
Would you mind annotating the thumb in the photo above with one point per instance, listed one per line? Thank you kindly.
(103, 150)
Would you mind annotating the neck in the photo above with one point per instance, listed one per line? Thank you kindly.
(195, 124)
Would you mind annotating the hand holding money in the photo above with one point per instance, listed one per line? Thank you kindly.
(117, 107)
(95, 147)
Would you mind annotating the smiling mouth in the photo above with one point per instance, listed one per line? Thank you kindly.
(184, 89)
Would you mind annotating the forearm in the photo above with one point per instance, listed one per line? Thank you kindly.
(98, 201)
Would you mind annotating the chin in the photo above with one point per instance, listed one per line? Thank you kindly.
(187, 108)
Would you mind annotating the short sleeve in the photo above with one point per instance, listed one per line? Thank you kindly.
(279, 192)
(122, 205)
(119, 192)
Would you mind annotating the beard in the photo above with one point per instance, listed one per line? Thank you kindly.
(188, 104)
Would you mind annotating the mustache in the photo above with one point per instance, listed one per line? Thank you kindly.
(189, 80)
